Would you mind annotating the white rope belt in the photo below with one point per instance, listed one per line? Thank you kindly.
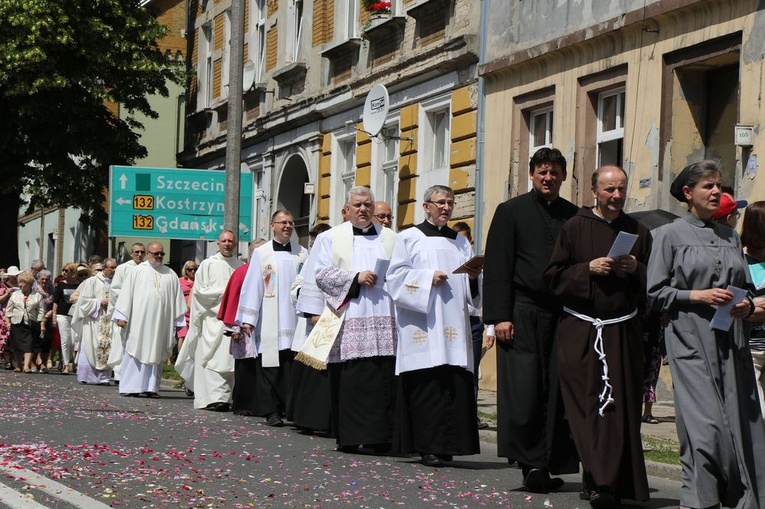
(605, 397)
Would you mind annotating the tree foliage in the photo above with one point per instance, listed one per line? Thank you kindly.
(61, 63)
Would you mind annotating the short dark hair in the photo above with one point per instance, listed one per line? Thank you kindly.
(281, 211)
(462, 226)
(547, 155)
(753, 226)
(318, 228)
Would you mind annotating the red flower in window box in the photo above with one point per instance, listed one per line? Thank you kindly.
(379, 7)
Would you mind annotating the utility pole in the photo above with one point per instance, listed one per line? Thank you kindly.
(234, 132)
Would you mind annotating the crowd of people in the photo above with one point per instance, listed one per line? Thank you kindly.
(374, 338)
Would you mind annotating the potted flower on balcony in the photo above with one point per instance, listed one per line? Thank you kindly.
(378, 9)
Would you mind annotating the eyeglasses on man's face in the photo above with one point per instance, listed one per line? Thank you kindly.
(141, 251)
(157, 253)
(284, 223)
(442, 203)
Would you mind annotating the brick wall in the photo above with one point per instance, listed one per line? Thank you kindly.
(325, 172)
(323, 22)
(407, 167)
(272, 47)
(219, 31)
(432, 26)
(363, 158)
(217, 73)
(273, 6)
(173, 16)
(462, 154)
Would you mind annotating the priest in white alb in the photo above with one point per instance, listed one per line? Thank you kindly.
(355, 337)
(267, 314)
(434, 359)
(91, 320)
(150, 308)
(204, 359)
(137, 254)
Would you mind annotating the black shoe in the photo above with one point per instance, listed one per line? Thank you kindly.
(218, 407)
(347, 448)
(189, 393)
(274, 420)
(602, 499)
(379, 448)
(129, 394)
(152, 395)
(584, 494)
(555, 483)
(431, 460)
(482, 425)
(535, 481)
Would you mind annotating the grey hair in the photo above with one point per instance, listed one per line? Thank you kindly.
(107, 260)
(359, 190)
(37, 262)
(43, 273)
(700, 171)
(438, 189)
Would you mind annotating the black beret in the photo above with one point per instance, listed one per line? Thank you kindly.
(680, 181)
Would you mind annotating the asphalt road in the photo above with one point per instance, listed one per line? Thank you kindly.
(66, 445)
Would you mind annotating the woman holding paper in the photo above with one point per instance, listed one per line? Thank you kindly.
(696, 267)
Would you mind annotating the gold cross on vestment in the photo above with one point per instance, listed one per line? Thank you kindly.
(420, 337)
(451, 333)
(412, 287)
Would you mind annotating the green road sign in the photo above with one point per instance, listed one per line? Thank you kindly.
(173, 203)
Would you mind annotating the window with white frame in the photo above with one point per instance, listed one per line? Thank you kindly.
(343, 173)
(386, 153)
(206, 70)
(540, 129)
(434, 134)
(610, 134)
(257, 42)
(349, 13)
(295, 30)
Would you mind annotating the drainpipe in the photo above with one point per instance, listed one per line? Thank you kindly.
(480, 135)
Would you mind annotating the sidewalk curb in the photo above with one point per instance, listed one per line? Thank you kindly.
(653, 468)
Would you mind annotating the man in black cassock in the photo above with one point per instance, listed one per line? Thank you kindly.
(531, 426)
(599, 340)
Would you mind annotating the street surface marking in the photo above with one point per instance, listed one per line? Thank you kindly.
(49, 486)
(16, 500)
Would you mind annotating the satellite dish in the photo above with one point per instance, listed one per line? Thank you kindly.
(376, 109)
(248, 75)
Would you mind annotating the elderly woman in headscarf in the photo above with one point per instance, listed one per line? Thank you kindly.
(721, 432)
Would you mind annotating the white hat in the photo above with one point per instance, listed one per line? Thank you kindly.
(13, 271)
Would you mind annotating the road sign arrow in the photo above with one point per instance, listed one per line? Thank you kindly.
(123, 181)
(122, 201)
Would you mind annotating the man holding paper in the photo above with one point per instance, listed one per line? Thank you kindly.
(267, 316)
(598, 270)
(355, 337)
(437, 407)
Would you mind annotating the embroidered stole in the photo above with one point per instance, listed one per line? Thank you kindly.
(315, 350)
(269, 322)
